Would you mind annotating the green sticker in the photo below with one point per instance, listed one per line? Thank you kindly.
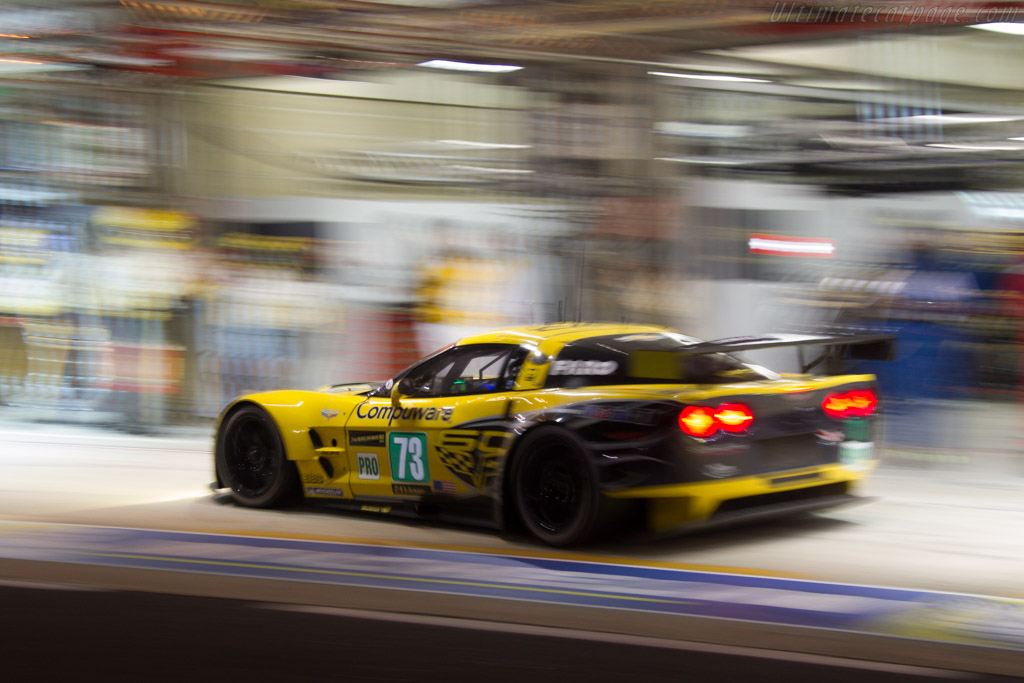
(857, 430)
(408, 454)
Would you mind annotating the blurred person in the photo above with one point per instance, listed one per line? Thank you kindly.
(135, 281)
(464, 291)
(931, 364)
(1011, 282)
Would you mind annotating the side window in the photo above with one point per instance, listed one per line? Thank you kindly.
(434, 376)
(464, 370)
(480, 373)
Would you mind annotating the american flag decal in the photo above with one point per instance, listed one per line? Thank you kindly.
(445, 487)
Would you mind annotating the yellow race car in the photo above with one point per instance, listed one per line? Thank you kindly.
(565, 428)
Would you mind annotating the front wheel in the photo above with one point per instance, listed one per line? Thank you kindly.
(555, 488)
(251, 459)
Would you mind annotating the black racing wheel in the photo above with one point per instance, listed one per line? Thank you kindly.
(555, 488)
(251, 460)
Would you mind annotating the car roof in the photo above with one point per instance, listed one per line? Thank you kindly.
(554, 335)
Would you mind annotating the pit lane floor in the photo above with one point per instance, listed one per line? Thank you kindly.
(940, 529)
(100, 637)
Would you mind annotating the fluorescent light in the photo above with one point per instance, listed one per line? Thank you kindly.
(1002, 27)
(791, 246)
(856, 141)
(709, 77)
(708, 130)
(705, 161)
(483, 145)
(485, 169)
(1000, 213)
(956, 118)
(12, 66)
(980, 147)
(469, 66)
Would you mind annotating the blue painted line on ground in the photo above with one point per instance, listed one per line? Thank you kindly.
(773, 600)
(553, 564)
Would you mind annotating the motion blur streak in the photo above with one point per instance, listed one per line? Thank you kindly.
(183, 220)
(200, 200)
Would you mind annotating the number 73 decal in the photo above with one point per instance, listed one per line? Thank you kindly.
(408, 454)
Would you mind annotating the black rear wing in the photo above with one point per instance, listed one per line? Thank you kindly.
(878, 346)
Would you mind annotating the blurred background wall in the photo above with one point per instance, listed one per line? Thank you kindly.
(204, 199)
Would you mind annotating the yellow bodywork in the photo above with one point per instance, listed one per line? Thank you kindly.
(358, 456)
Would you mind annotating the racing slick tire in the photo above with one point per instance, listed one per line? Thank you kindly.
(251, 459)
(554, 485)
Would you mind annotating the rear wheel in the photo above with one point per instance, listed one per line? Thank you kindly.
(251, 459)
(555, 488)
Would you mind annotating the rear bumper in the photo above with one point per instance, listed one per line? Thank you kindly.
(678, 507)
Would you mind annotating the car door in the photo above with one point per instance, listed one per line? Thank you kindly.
(421, 446)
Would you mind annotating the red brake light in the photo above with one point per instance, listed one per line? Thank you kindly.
(698, 421)
(853, 403)
(862, 402)
(733, 417)
(703, 421)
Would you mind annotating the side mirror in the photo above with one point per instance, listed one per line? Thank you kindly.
(400, 389)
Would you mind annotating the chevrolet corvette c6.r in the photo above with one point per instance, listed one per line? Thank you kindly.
(563, 428)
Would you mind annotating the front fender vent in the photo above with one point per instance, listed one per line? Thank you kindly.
(315, 438)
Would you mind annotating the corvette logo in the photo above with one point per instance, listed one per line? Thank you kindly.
(327, 413)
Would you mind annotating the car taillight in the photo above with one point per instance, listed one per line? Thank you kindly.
(703, 421)
(853, 403)
(698, 421)
(733, 417)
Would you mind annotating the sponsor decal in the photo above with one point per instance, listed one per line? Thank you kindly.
(312, 478)
(856, 455)
(319, 491)
(375, 508)
(391, 413)
(410, 489)
(359, 438)
(408, 454)
(583, 367)
(367, 466)
(328, 413)
(718, 470)
(474, 457)
(829, 435)
(445, 487)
